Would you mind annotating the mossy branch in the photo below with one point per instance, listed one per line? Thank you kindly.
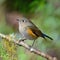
(23, 44)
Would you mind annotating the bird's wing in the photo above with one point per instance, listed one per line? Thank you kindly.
(34, 31)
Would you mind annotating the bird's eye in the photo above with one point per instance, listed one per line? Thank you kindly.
(23, 20)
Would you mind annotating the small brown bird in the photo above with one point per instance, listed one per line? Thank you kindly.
(29, 30)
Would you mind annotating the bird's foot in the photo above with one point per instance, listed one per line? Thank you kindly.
(31, 48)
(21, 40)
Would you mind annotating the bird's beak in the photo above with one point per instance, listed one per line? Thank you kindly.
(17, 19)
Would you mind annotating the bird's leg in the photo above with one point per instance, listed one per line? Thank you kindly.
(32, 46)
(33, 43)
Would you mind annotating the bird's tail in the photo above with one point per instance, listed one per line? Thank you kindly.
(44, 35)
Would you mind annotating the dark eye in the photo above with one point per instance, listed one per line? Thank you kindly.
(23, 20)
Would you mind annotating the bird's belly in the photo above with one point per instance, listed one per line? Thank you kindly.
(28, 36)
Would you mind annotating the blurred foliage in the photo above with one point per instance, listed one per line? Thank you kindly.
(11, 49)
(47, 18)
(24, 6)
(8, 50)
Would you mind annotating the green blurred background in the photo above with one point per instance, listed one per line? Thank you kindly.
(45, 14)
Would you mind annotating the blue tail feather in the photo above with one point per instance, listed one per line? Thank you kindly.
(44, 35)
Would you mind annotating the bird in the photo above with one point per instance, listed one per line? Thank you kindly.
(29, 30)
